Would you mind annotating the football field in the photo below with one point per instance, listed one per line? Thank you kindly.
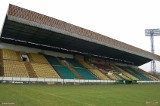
(80, 95)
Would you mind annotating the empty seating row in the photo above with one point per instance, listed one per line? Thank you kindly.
(124, 77)
(9, 54)
(94, 71)
(142, 76)
(103, 66)
(113, 77)
(85, 73)
(145, 73)
(74, 62)
(52, 60)
(45, 66)
(135, 73)
(130, 76)
(37, 58)
(65, 72)
(14, 69)
(44, 70)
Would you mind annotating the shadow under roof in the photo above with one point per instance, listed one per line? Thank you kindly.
(25, 27)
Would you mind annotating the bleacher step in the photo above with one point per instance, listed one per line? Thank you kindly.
(75, 72)
(30, 70)
(96, 72)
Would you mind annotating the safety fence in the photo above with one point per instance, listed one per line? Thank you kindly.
(53, 80)
(69, 81)
(148, 82)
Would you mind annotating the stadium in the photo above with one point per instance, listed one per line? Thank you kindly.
(37, 49)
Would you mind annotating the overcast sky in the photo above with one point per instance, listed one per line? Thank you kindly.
(124, 20)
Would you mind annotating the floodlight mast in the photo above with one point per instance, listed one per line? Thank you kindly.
(153, 65)
(152, 33)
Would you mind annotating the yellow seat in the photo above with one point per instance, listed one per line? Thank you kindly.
(94, 71)
(9, 54)
(44, 70)
(14, 69)
(37, 58)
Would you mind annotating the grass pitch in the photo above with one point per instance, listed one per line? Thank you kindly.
(80, 95)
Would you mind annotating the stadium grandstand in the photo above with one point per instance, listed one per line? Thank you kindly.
(36, 47)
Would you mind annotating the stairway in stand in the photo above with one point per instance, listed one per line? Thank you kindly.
(145, 73)
(75, 72)
(125, 73)
(96, 72)
(30, 70)
(71, 67)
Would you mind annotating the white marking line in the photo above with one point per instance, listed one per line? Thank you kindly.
(61, 97)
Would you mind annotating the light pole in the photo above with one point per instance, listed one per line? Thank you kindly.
(152, 33)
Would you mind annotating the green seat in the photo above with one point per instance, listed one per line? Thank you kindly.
(85, 73)
(65, 72)
(135, 73)
(52, 60)
(74, 62)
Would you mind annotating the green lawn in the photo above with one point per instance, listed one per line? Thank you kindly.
(80, 95)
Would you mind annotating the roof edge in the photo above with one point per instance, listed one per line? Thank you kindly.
(28, 17)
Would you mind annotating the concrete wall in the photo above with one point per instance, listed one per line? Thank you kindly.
(34, 50)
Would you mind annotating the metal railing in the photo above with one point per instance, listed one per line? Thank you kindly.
(53, 80)
(67, 81)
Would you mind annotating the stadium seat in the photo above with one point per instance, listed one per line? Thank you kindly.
(65, 72)
(74, 62)
(135, 73)
(103, 66)
(94, 71)
(37, 58)
(14, 69)
(75, 72)
(140, 75)
(85, 73)
(112, 77)
(9, 54)
(52, 60)
(44, 70)
(125, 73)
(45, 66)
(124, 77)
(145, 73)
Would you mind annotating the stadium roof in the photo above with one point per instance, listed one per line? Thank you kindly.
(23, 26)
